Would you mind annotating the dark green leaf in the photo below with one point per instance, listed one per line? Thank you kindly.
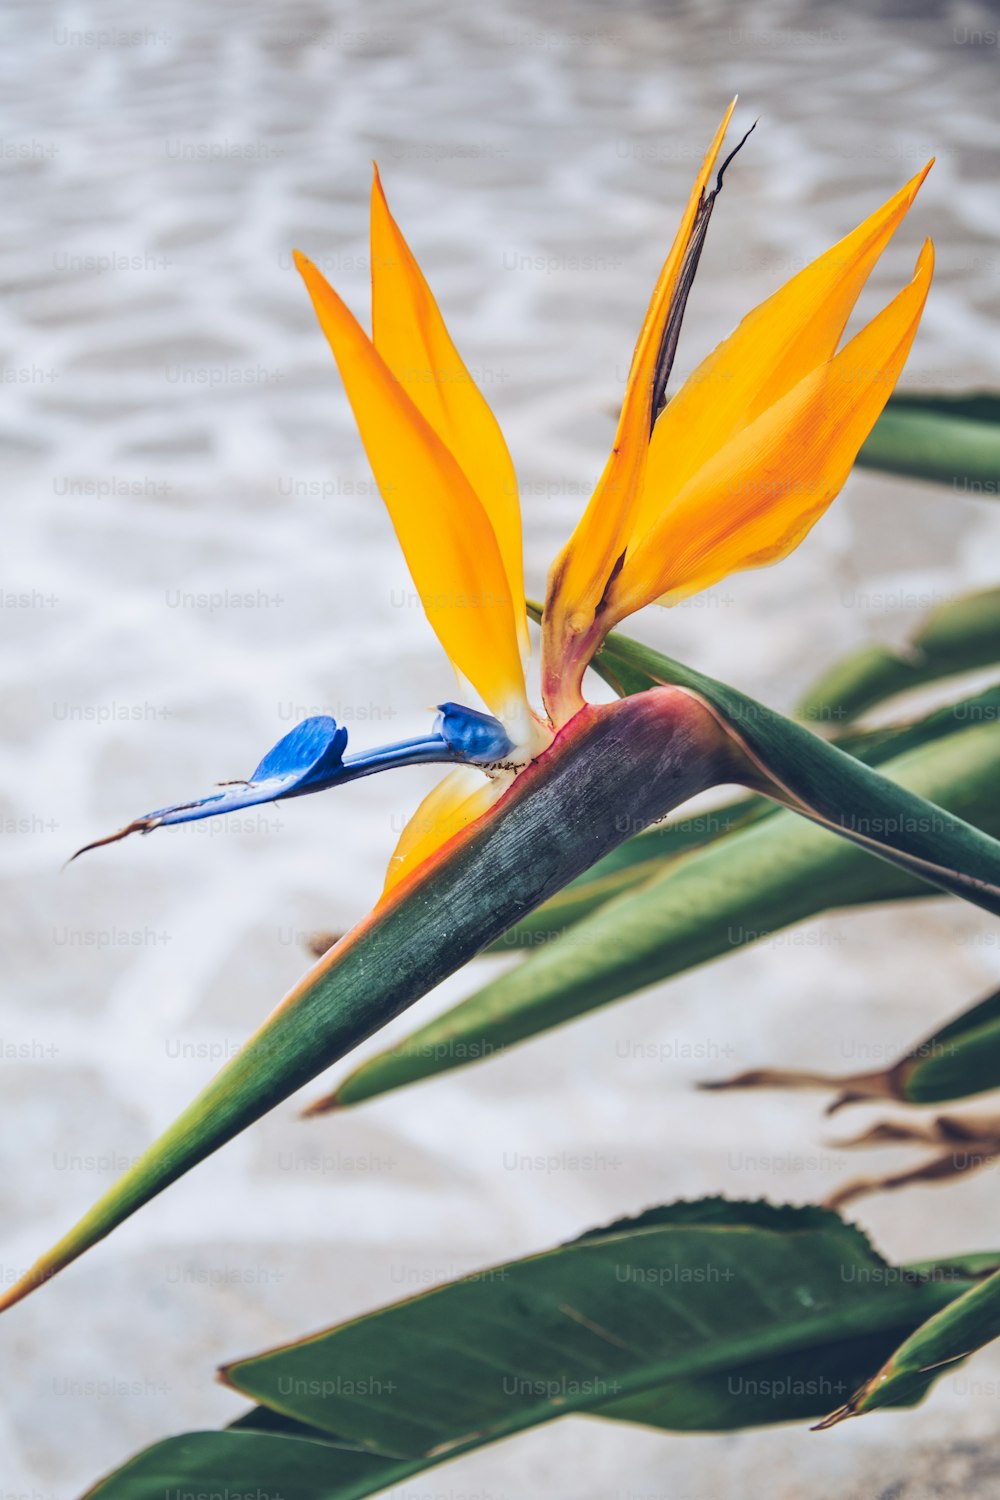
(617, 1324)
(234, 1464)
(692, 1317)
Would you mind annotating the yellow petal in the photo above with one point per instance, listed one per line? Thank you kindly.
(774, 347)
(755, 500)
(580, 573)
(458, 800)
(410, 334)
(445, 533)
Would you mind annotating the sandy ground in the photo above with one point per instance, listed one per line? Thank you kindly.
(194, 557)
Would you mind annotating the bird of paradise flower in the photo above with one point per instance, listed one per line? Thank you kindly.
(730, 474)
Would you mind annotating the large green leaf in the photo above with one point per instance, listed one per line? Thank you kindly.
(956, 1061)
(745, 887)
(958, 637)
(701, 1316)
(951, 439)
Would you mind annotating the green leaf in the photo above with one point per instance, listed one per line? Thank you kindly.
(951, 1335)
(952, 440)
(958, 637)
(245, 1463)
(746, 886)
(694, 1292)
(703, 1316)
(956, 1061)
(960, 1060)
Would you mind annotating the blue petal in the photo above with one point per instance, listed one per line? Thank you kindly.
(313, 749)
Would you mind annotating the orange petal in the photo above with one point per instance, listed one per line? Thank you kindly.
(754, 501)
(458, 800)
(774, 347)
(445, 533)
(580, 573)
(410, 334)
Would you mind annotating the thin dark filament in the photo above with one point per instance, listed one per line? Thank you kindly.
(685, 281)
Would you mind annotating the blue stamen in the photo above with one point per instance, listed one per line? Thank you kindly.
(311, 757)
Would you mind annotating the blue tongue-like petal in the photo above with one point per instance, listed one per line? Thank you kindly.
(311, 757)
(313, 749)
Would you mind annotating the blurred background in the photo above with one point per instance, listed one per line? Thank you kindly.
(194, 557)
